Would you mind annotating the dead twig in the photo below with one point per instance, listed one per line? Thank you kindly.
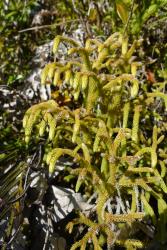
(48, 26)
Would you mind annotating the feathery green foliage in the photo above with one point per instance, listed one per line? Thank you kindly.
(107, 134)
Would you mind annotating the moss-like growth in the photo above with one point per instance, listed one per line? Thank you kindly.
(118, 153)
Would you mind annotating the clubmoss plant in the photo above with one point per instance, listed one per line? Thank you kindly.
(106, 130)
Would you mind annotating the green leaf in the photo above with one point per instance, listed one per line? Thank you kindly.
(78, 185)
(68, 178)
(162, 210)
(148, 209)
(12, 13)
(122, 11)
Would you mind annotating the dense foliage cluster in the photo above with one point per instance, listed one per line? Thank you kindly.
(119, 153)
